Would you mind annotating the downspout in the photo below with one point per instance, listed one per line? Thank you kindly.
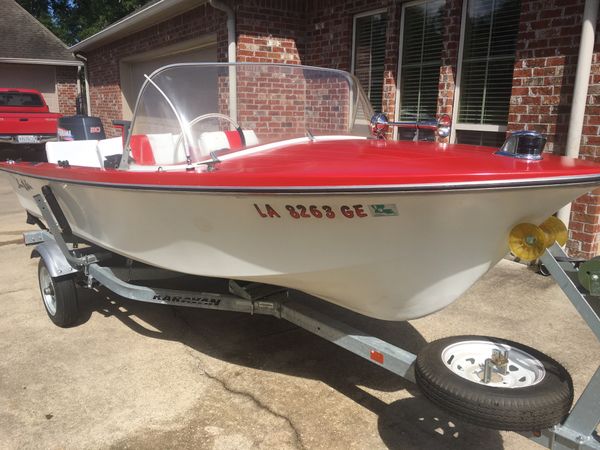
(231, 54)
(582, 78)
(79, 56)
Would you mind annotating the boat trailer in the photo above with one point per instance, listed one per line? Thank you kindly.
(64, 257)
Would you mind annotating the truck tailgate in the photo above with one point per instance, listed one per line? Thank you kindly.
(28, 123)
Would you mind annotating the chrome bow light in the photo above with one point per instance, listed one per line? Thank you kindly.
(380, 125)
(524, 145)
(443, 126)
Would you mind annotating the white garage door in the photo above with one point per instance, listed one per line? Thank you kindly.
(133, 71)
(31, 76)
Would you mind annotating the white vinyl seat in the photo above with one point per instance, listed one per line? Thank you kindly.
(164, 150)
(109, 147)
(211, 141)
(78, 153)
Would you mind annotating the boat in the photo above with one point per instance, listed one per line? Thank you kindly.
(283, 175)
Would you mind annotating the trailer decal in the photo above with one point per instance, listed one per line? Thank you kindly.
(190, 300)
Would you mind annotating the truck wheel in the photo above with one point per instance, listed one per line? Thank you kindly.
(535, 393)
(59, 296)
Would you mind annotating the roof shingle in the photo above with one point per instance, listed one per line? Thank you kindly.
(22, 36)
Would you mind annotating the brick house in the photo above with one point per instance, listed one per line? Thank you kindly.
(32, 57)
(493, 65)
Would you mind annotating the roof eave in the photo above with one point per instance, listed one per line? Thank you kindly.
(47, 62)
(145, 17)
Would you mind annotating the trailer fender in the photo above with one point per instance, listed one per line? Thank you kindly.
(57, 264)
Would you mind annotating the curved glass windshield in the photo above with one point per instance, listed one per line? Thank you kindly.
(189, 113)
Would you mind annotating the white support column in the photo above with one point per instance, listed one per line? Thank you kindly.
(582, 77)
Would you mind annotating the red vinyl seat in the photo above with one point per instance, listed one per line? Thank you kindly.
(141, 150)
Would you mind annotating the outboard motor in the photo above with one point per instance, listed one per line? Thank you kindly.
(80, 128)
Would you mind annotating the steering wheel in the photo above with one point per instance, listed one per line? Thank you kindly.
(202, 117)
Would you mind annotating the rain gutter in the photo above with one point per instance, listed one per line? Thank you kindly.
(231, 54)
(88, 109)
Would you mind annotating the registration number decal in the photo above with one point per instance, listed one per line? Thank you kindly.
(295, 211)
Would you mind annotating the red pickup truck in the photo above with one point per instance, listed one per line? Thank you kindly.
(25, 117)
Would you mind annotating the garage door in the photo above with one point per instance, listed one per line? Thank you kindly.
(31, 76)
(133, 71)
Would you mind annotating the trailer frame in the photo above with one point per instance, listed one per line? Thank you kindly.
(63, 257)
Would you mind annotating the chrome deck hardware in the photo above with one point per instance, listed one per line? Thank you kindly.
(524, 144)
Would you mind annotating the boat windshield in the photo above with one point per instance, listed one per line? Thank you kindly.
(191, 113)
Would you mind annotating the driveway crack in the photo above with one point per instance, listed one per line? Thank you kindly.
(258, 403)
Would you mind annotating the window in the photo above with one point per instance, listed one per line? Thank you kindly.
(20, 99)
(486, 70)
(369, 54)
(487, 138)
(420, 60)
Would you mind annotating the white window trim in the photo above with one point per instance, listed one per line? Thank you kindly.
(479, 127)
(399, 69)
(358, 16)
(461, 45)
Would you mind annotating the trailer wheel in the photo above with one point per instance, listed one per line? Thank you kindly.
(535, 393)
(543, 270)
(59, 296)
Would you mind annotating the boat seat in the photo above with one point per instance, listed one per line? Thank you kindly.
(211, 141)
(78, 153)
(156, 149)
(108, 147)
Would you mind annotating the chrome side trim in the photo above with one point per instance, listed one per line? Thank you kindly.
(350, 189)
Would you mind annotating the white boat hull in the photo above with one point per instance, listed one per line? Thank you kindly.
(391, 267)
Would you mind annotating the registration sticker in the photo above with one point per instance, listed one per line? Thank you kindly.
(388, 209)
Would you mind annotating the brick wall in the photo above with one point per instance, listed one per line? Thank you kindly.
(546, 59)
(329, 39)
(312, 33)
(103, 63)
(286, 32)
(271, 31)
(545, 62)
(66, 89)
(584, 230)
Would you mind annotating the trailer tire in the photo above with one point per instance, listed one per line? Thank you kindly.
(59, 296)
(536, 392)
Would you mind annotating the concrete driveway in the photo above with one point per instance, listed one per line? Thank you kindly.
(145, 376)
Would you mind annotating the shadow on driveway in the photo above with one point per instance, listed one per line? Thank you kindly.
(271, 344)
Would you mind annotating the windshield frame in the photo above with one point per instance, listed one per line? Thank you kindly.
(354, 87)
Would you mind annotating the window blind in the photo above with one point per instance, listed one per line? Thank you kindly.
(369, 55)
(487, 138)
(488, 58)
(421, 60)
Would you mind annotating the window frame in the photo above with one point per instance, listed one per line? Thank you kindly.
(371, 12)
(399, 69)
(456, 125)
